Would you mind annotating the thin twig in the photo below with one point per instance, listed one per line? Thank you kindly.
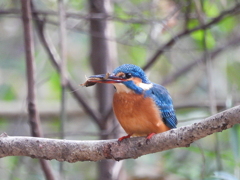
(211, 91)
(187, 14)
(96, 16)
(185, 32)
(54, 57)
(169, 79)
(63, 72)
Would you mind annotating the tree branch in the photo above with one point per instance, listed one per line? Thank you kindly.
(73, 151)
(34, 118)
(95, 16)
(186, 32)
(55, 60)
(212, 54)
(33, 114)
(63, 65)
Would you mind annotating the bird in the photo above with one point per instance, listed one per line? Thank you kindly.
(143, 108)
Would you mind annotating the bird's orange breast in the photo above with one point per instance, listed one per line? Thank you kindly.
(139, 116)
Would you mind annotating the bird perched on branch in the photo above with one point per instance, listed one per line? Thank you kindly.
(142, 108)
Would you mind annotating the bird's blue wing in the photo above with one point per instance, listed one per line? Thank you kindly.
(164, 102)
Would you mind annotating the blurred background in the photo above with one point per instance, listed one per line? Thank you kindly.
(189, 46)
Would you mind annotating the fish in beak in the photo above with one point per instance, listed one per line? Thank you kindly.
(103, 78)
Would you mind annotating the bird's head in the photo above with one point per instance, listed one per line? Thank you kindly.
(126, 78)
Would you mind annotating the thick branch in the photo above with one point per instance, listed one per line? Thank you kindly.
(73, 151)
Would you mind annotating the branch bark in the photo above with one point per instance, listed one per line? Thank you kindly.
(30, 68)
(73, 151)
(33, 114)
(102, 56)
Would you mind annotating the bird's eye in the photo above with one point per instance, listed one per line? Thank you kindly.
(128, 75)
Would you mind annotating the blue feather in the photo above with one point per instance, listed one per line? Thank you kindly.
(132, 86)
(134, 70)
(163, 100)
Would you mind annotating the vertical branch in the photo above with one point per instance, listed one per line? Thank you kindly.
(34, 118)
(101, 51)
(55, 59)
(211, 92)
(29, 50)
(102, 56)
(63, 51)
(234, 131)
(213, 105)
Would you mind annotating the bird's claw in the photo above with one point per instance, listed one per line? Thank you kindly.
(149, 137)
(124, 137)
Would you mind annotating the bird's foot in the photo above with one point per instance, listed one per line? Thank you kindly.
(124, 137)
(149, 137)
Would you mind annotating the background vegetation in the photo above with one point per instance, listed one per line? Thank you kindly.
(191, 47)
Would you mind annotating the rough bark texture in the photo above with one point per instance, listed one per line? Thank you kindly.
(30, 69)
(102, 57)
(73, 151)
(34, 118)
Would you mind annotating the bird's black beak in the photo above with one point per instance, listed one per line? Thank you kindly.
(103, 78)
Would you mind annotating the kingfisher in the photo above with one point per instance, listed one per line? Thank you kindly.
(143, 108)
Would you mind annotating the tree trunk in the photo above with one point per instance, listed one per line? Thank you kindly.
(102, 56)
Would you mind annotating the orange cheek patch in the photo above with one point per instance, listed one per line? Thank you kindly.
(136, 80)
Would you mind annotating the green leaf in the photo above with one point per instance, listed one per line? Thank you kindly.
(211, 10)
(199, 35)
(233, 73)
(121, 13)
(76, 4)
(12, 161)
(227, 24)
(7, 92)
(138, 55)
(3, 123)
(193, 23)
(234, 139)
(54, 86)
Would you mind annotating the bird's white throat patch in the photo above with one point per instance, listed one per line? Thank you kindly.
(145, 86)
(122, 88)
